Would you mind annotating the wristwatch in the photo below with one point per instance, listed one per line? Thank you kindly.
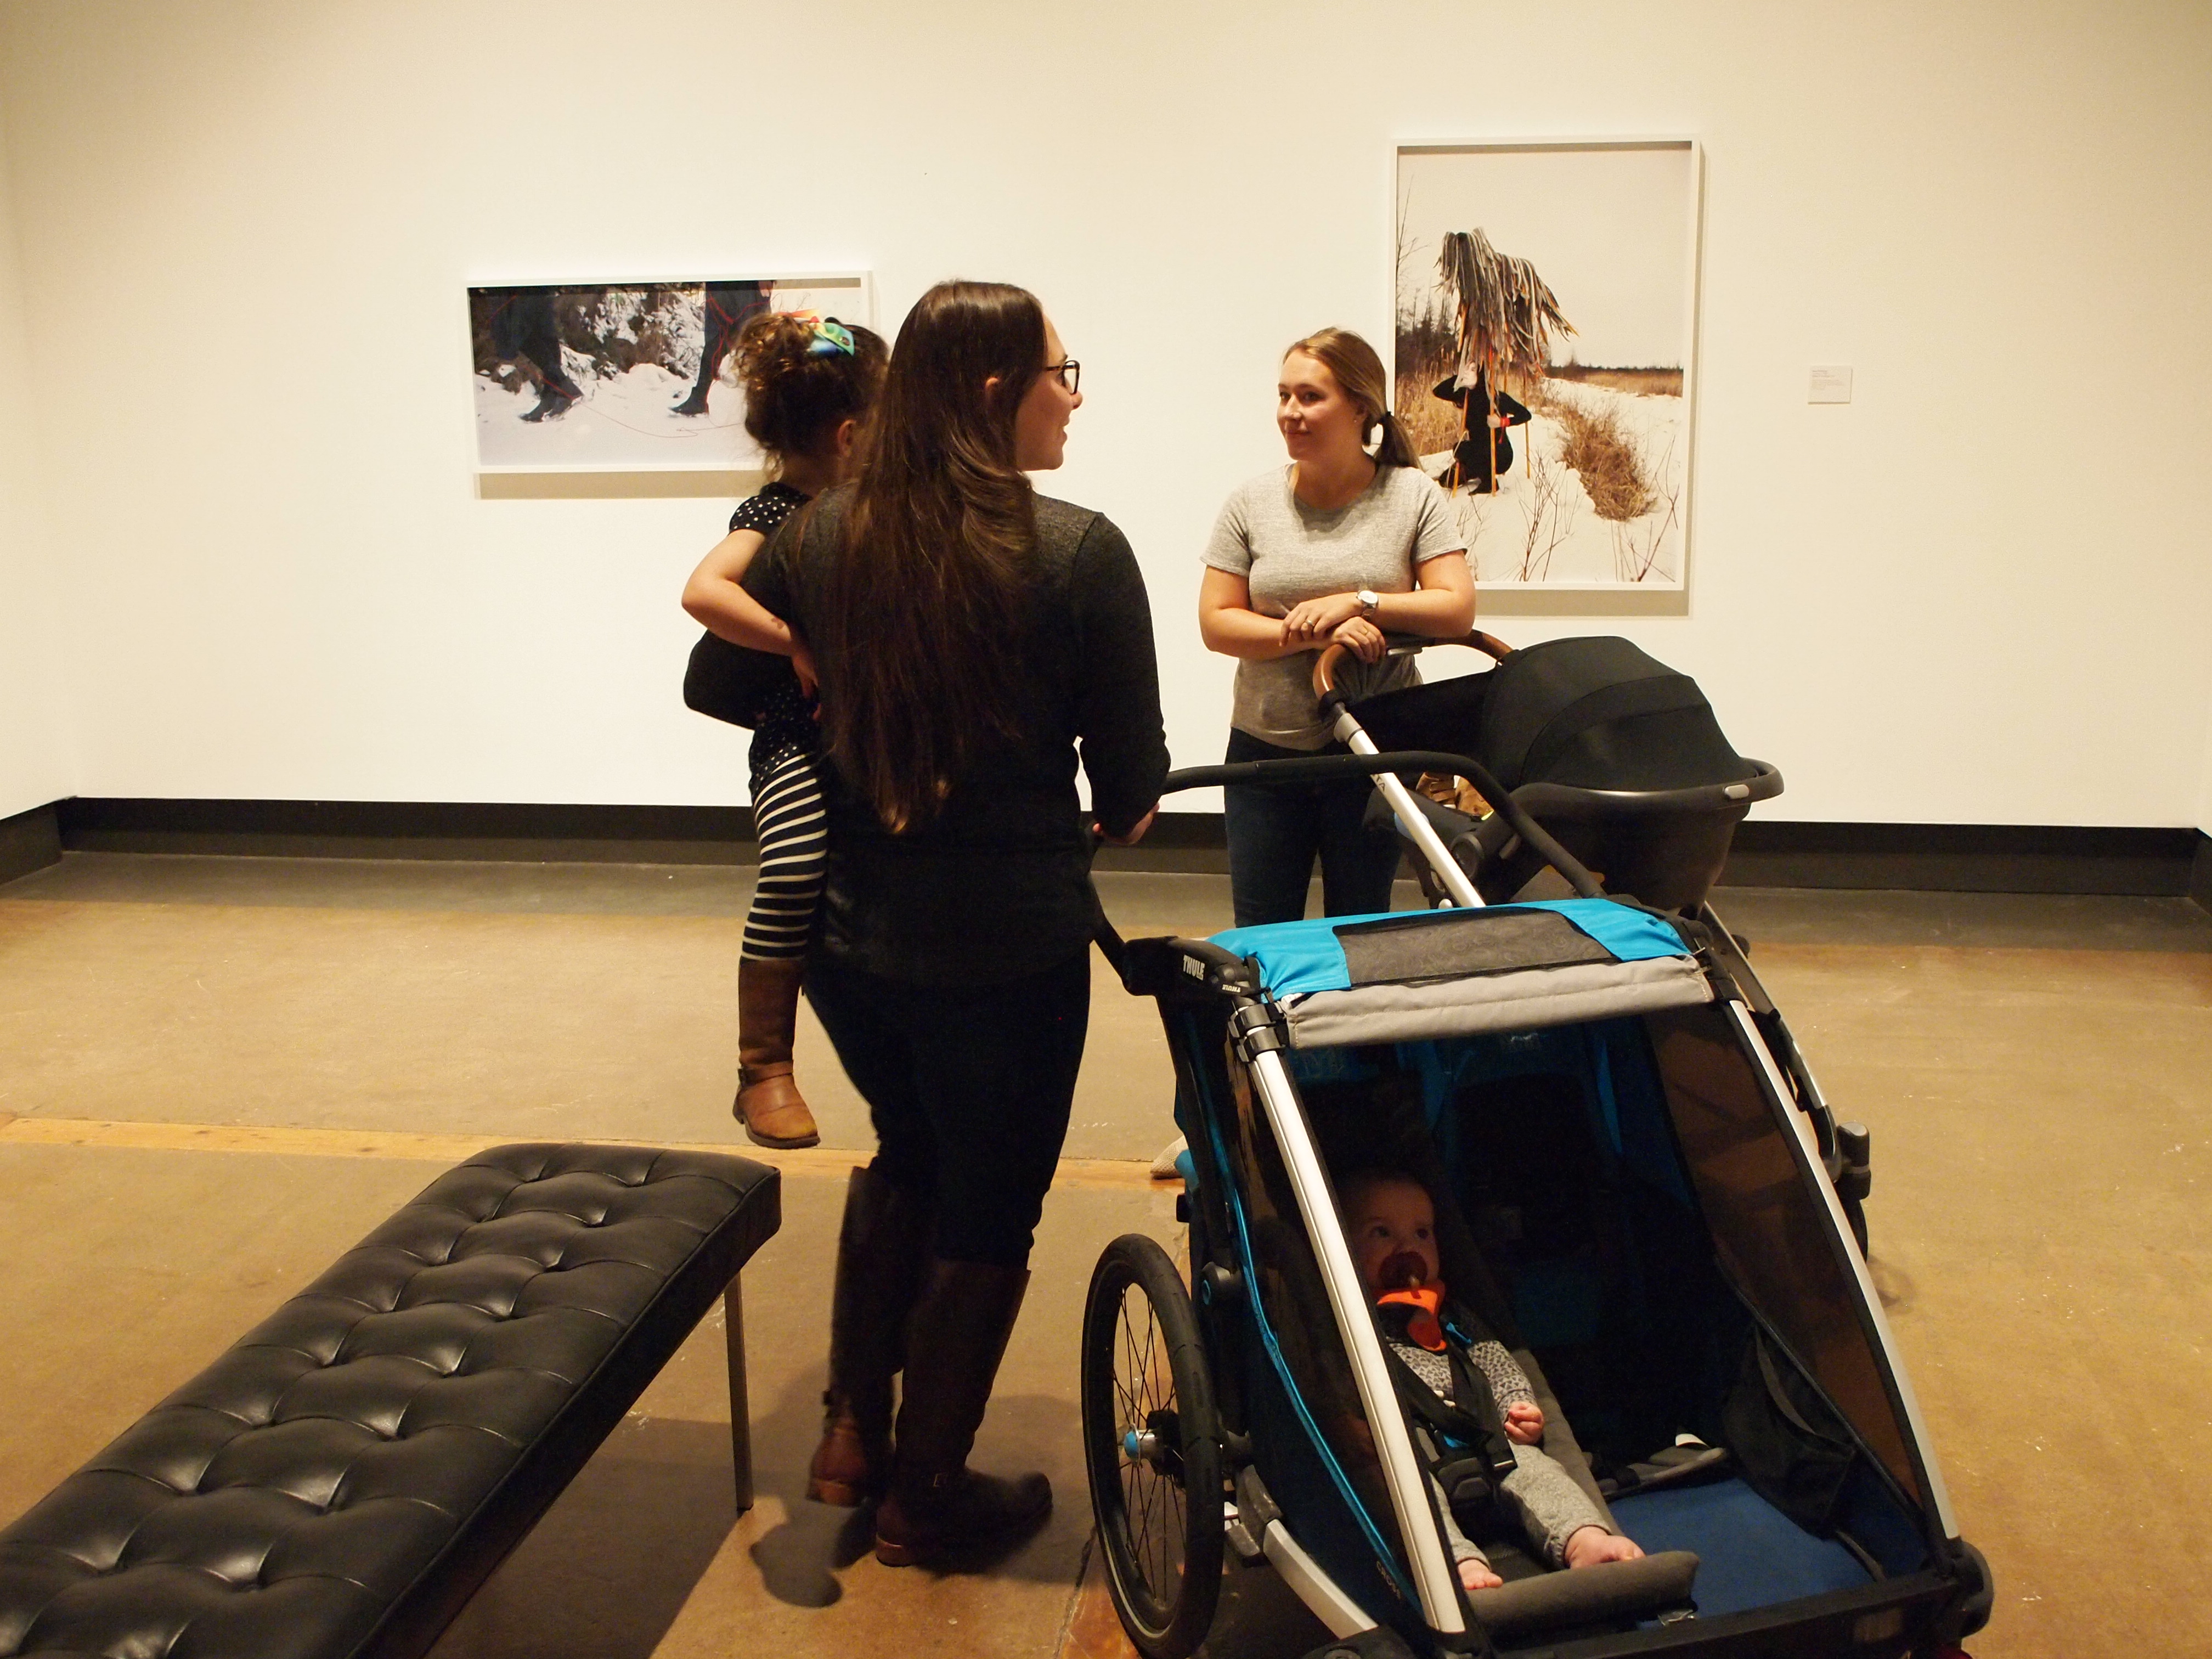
(1370, 601)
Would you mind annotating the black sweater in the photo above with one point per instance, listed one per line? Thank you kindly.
(998, 884)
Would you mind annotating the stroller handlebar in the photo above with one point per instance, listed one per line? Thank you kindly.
(1403, 645)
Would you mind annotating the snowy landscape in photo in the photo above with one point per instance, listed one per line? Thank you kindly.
(1541, 527)
(1564, 274)
(629, 365)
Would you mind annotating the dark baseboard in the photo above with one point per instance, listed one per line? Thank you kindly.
(1929, 857)
(1964, 858)
(29, 840)
(1178, 843)
(505, 831)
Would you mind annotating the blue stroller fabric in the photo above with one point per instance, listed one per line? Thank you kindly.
(1414, 976)
(1752, 1555)
(1309, 956)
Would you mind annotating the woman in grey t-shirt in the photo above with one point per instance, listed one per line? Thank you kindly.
(1337, 547)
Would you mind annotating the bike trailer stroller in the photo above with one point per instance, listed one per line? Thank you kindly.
(1638, 1188)
(1616, 754)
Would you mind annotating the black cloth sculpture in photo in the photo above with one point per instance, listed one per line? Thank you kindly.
(1483, 452)
(523, 326)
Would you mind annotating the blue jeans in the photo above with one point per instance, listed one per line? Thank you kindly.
(1275, 833)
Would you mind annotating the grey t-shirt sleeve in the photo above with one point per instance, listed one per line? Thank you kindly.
(1435, 526)
(1229, 547)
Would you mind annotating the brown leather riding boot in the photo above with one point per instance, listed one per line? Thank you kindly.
(938, 1509)
(882, 1248)
(769, 1102)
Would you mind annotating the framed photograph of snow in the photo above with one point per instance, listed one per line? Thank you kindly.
(627, 377)
(1546, 313)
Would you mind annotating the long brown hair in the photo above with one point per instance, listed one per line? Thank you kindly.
(1358, 371)
(928, 583)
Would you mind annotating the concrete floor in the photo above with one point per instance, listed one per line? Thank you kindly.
(217, 1073)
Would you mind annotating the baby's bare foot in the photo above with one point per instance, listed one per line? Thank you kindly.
(1592, 1545)
(1476, 1575)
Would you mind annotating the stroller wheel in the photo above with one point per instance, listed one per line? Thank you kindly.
(1151, 1445)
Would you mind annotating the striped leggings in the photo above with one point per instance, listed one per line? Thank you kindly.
(794, 842)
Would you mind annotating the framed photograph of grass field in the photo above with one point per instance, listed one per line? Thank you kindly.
(1546, 313)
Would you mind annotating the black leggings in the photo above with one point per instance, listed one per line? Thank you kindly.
(969, 1089)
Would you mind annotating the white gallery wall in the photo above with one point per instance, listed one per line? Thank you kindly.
(34, 766)
(1981, 592)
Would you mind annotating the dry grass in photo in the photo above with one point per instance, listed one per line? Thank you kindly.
(1427, 352)
(1431, 424)
(1605, 457)
(1643, 382)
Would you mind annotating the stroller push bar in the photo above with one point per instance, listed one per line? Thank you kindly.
(1457, 883)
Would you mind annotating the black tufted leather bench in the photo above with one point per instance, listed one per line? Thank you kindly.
(341, 1481)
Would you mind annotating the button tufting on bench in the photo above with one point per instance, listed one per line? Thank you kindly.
(339, 1482)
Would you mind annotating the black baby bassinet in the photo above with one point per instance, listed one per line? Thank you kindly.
(1616, 754)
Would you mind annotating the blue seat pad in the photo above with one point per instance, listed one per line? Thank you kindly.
(1749, 1553)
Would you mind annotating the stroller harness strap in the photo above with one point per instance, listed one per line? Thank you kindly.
(1467, 1433)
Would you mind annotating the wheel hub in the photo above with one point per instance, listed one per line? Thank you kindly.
(1158, 1443)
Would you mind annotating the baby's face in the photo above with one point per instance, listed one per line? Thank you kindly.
(1393, 1225)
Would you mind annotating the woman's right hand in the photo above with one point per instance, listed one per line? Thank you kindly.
(802, 665)
(1312, 621)
(1362, 638)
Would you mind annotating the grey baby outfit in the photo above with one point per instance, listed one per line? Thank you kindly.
(1543, 1497)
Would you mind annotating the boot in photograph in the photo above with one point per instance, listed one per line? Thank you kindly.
(938, 1510)
(882, 1248)
(769, 1102)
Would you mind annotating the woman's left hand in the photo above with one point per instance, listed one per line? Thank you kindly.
(1135, 835)
(1312, 621)
(1360, 637)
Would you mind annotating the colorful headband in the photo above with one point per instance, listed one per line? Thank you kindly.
(830, 335)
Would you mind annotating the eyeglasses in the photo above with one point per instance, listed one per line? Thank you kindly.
(1070, 372)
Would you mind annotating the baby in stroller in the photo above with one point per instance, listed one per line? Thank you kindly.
(1390, 1221)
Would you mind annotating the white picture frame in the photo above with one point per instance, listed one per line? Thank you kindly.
(632, 393)
(1596, 498)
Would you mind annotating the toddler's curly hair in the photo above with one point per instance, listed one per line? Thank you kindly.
(796, 396)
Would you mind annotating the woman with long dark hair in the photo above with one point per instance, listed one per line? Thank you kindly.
(970, 637)
(1338, 547)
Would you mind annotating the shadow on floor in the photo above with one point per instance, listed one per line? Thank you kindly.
(605, 1574)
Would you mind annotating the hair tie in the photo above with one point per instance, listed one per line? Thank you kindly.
(830, 335)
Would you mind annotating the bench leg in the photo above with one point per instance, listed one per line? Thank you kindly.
(741, 1421)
